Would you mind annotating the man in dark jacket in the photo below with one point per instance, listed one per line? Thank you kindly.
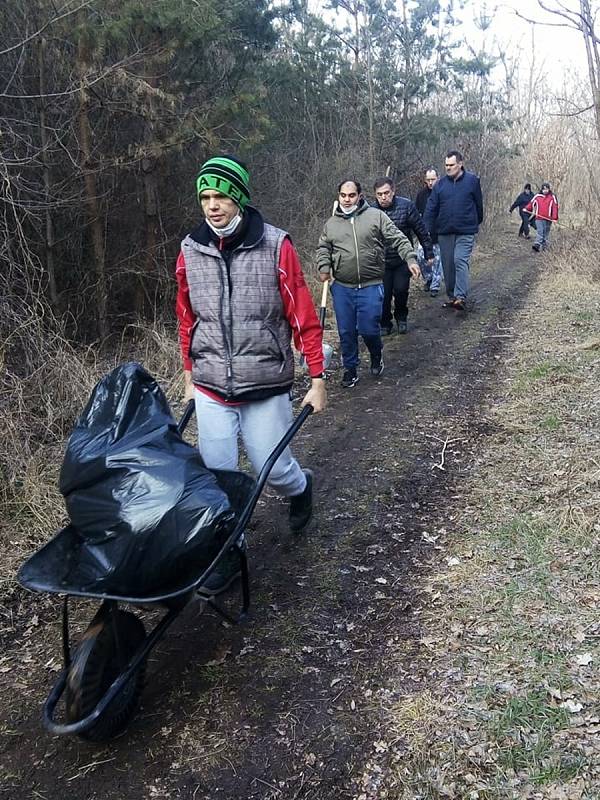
(396, 279)
(520, 202)
(455, 211)
(241, 299)
(432, 275)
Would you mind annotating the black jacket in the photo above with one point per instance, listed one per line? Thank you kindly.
(421, 204)
(521, 201)
(403, 213)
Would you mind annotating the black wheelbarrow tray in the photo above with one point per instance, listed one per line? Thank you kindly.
(103, 679)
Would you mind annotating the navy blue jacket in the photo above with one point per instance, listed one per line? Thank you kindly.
(522, 200)
(455, 206)
(406, 218)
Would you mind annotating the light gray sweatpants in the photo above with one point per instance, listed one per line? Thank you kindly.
(261, 424)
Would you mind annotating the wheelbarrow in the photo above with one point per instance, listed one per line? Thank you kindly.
(102, 680)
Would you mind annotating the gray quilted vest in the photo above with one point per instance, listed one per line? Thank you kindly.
(241, 339)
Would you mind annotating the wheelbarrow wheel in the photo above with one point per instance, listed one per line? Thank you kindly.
(96, 664)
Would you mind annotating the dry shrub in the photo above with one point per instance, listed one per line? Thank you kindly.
(576, 254)
(44, 384)
(157, 348)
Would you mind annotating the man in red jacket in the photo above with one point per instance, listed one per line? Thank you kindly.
(544, 206)
(241, 299)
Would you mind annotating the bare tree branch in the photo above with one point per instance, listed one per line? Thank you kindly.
(539, 22)
(571, 113)
(81, 86)
(43, 28)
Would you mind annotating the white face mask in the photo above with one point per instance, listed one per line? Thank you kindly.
(229, 229)
(348, 211)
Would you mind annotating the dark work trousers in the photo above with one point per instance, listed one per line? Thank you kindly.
(396, 283)
(525, 223)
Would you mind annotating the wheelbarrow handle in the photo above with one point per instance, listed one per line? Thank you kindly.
(287, 438)
(186, 416)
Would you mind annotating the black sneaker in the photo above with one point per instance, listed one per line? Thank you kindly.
(301, 506)
(377, 366)
(402, 326)
(535, 247)
(386, 330)
(349, 379)
(434, 292)
(226, 572)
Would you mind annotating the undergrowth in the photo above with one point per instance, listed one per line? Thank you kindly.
(513, 637)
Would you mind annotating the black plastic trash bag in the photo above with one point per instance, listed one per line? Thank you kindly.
(145, 507)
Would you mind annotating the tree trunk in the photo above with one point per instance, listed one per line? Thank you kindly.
(89, 177)
(150, 166)
(50, 239)
(593, 59)
(368, 41)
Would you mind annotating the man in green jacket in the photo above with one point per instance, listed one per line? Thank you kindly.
(351, 250)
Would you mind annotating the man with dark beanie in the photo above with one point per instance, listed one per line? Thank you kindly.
(520, 203)
(241, 299)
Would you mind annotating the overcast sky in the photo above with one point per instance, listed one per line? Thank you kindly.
(561, 49)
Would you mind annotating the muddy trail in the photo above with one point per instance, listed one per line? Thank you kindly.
(287, 705)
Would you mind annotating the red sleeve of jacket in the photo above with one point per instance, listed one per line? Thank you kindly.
(299, 309)
(554, 211)
(529, 207)
(185, 315)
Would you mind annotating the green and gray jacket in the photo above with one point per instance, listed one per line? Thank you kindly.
(352, 248)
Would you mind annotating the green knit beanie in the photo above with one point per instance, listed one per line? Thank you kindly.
(227, 175)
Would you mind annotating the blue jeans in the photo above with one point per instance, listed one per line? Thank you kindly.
(261, 424)
(358, 313)
(542, 238)
(431, 274)
(455, 252)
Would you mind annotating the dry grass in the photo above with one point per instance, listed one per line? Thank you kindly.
(44, 384)
(511, 637)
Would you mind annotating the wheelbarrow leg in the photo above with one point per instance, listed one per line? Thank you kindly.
(65, 633)
(242, 552)
(244, 576)
(113, 608)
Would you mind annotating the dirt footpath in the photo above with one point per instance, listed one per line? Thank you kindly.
(289, 704)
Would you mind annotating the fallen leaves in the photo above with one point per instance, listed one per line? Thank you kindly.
(572, 706)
